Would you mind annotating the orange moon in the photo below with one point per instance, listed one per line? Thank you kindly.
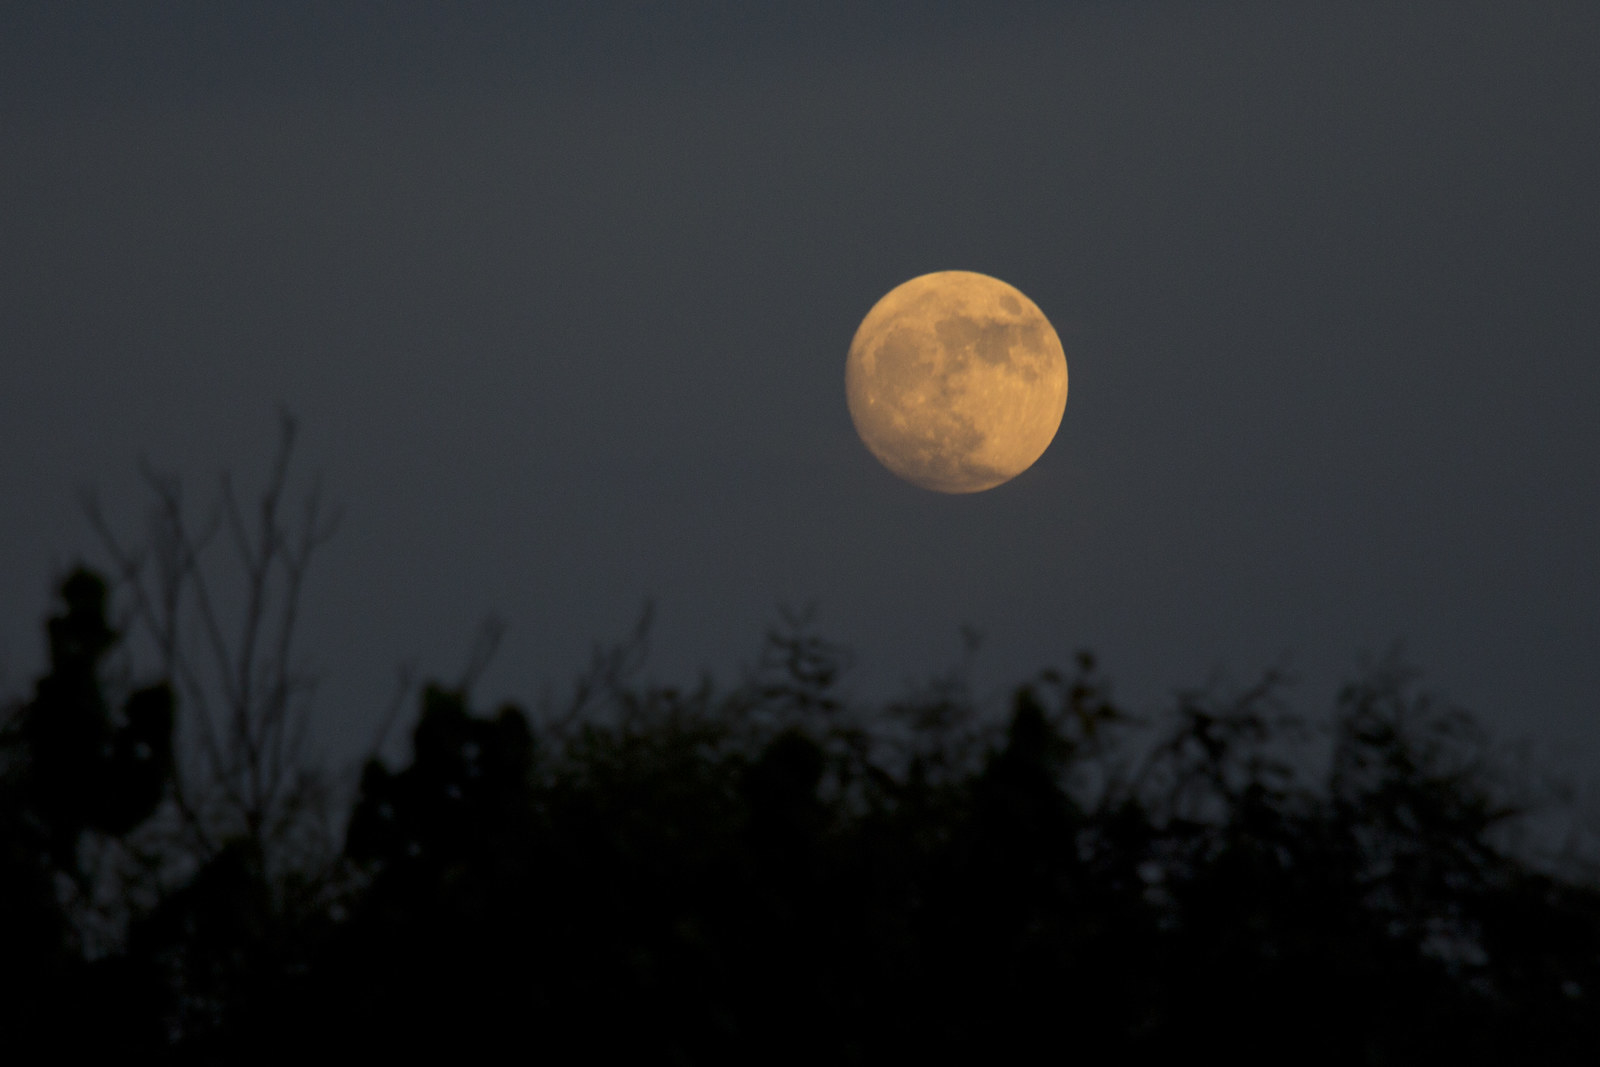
(956, 381)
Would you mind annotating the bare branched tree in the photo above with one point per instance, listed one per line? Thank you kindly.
(220, 600)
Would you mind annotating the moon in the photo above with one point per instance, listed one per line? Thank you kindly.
(956, 381)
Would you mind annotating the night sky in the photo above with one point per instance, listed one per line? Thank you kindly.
(562, 303)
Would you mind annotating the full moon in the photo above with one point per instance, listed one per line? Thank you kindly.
(956, 381)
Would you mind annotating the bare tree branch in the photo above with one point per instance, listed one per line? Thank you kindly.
(224, 632)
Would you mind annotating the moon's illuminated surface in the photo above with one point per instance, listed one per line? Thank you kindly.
(956, 381)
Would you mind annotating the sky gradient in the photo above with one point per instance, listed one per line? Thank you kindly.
(562, 303)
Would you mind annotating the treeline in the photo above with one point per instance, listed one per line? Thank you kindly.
(769, 874)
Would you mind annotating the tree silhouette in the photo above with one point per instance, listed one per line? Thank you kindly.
(76, 779)
(217, 596)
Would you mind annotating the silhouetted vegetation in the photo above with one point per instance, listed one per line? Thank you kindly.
(771, 873)
(764, 873)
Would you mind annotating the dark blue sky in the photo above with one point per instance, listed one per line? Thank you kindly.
(563, 301)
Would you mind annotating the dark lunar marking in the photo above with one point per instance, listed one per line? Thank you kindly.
(938, 455)
(963, 338)
(1029, 337)
(951, 384)
(1010, 303)
(944, 468)
(900, 365)
(919, 304)
(993, 342)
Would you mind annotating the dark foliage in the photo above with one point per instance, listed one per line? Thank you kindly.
(69, 769)
(772, 875)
